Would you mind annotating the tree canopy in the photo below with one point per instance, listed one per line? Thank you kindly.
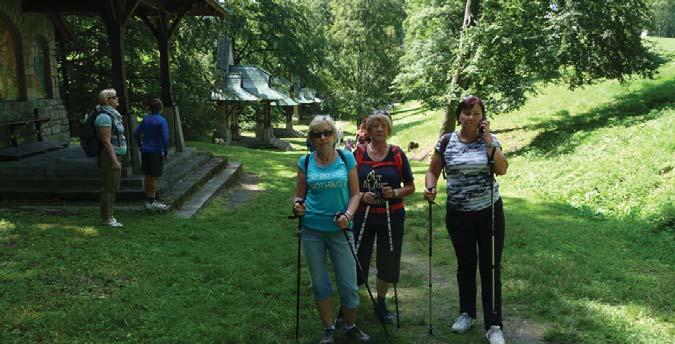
(510, 46)
(364, 54)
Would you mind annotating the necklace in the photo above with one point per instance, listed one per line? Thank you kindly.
(324, 160)
(375, 155)
(463, 139)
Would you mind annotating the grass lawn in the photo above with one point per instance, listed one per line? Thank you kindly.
(589, 254)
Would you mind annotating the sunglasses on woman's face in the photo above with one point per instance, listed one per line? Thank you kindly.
(318, 134)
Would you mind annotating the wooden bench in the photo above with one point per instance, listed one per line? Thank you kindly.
(16, 151)
(12, 125)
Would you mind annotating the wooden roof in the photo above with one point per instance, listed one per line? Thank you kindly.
(144, 7)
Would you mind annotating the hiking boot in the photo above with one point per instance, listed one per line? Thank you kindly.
(156, 205)
(494, 335)
(112, 223)
(329, 336)
(462, 323)
(356, 334)
(384, 315)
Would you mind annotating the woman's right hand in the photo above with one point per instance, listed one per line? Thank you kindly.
(430, 194)
(299, 208)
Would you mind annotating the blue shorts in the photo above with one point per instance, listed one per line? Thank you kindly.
(315, 245)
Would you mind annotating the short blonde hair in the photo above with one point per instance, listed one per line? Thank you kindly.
(319, 121)
(103, 95)
(378, 116)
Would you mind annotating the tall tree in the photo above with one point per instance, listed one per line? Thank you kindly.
(515, 44)
(365, 45)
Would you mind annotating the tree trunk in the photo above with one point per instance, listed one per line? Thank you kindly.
(458, 84)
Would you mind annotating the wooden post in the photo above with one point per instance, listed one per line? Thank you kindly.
(163, 30)
(115, 18)
(289, 117)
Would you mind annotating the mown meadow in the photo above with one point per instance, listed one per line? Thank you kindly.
(589, 254)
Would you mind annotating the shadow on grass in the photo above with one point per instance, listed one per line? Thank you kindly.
(595, 280)
(631, 109)
(399, 116)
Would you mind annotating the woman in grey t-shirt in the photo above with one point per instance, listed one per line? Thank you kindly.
(470, 190)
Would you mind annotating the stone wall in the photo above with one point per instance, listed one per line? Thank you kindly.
(32, 28)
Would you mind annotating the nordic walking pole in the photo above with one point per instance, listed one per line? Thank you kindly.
(431, 203)
(297, 276)
(492, 231)
(391, 250)
(360, 268)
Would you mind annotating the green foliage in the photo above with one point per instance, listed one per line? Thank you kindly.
(663, 18)
(365, 45)
(518, 43)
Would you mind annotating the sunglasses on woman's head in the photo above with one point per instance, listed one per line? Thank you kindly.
(112, 97)
(317, 134)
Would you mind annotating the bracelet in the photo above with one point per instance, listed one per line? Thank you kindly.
(395, 193)
(349, 215)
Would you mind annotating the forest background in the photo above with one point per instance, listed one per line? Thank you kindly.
(363, 54)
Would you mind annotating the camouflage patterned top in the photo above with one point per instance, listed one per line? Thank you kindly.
(468, 182)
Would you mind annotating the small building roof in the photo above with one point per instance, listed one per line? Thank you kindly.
(283, 86)
(232, 91)
(306, 96)
(256, 81)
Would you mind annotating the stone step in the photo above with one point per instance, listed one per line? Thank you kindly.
(173, 173)
(210, 189)
(180, 192)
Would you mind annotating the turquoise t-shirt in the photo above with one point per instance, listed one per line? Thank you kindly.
(327, 191)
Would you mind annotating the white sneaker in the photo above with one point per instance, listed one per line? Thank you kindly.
(494, 335)
(156, 205)
(112, 223)
(462, 323)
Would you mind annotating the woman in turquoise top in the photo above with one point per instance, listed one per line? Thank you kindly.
(327, 185)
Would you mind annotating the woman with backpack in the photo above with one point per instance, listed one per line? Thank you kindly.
(385, 178)
(110, 130)
(474, 213)
(326, 196)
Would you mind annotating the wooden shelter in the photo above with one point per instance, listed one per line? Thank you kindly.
(162, 17)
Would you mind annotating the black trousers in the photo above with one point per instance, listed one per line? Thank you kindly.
(470, 232)
(388, 264)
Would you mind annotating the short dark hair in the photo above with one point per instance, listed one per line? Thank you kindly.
(156, 105)
(467, 103)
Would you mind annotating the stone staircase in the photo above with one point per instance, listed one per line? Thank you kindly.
(68, 177)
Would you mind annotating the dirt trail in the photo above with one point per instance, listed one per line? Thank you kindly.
(414, 266)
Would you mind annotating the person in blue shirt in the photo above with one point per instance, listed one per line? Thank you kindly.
(328, 185)
(152, 136)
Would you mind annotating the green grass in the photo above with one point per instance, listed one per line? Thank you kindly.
(588, 254)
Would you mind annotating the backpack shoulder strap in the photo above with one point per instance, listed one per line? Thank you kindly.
(358, 153)
(396, 150)
(445, 140)
(306, 164)
(342, 156)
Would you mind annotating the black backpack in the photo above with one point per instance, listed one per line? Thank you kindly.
(89, 140)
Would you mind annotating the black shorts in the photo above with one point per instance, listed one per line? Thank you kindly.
(152, 164)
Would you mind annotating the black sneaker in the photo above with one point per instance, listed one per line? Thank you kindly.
(329, 336)
(383, 314)
(356, 334)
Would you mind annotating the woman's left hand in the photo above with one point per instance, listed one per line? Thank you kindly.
(342, 221)
(387, 192)
(485, 125)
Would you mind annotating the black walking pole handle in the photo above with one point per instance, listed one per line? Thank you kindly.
(295, 215)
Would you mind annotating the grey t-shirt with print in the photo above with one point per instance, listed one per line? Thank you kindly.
(466, 168)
